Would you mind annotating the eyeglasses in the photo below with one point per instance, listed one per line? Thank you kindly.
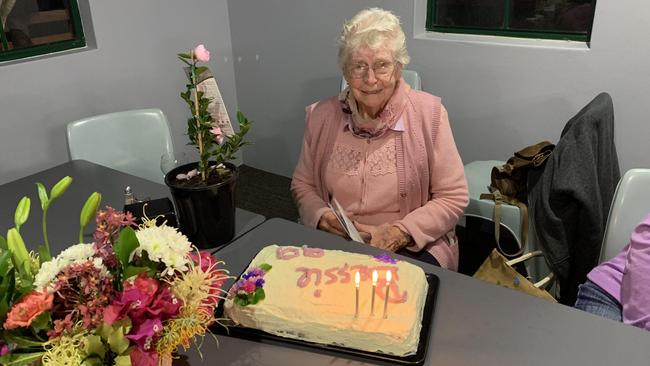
(380, 68)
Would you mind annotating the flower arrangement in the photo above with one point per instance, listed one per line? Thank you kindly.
(202, 131)
(131, 297)
(249, 289)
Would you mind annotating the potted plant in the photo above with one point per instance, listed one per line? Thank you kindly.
(204, 191)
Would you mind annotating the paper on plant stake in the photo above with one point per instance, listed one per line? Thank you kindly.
(217, 109)
(345, 221)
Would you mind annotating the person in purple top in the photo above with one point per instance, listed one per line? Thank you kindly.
(619, 289)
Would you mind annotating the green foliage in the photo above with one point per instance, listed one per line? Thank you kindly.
(266, 267)
(115, 337)
(127, 242)
(20, 359)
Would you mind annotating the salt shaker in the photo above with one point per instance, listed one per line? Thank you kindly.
(128, 196)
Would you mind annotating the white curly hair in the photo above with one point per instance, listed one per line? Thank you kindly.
(373, 28)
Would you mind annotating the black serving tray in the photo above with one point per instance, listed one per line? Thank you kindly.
(415, 359)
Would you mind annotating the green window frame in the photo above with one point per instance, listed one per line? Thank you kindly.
(506, 30)
(78, 40)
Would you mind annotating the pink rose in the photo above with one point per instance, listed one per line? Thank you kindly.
(24, 312)
(218, 135)
(201, 53)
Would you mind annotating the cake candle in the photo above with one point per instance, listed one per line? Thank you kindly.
(374, 286)
(357, 280)
(388, 278)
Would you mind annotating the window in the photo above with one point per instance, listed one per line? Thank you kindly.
(36, 27)
(550, 19)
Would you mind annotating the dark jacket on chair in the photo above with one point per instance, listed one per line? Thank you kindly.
(570, 198)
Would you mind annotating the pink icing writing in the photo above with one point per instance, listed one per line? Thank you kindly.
(305, 278)
(344, 274)
(394, 295)
(287, 253)
(312, 252)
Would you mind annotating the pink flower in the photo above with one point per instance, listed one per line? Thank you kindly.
(135, 297)
(218, 135)
(4, 349)
(143, 333)
(249, 287)
(24, 312)
(201, 53)
(205, 259)
(142, 358)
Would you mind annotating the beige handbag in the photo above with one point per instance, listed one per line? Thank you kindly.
(496, 269)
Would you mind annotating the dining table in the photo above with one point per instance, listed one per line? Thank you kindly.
(473, 322)
(63, 215)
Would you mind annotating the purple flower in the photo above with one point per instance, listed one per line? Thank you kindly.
(259, 282)
(385, 258)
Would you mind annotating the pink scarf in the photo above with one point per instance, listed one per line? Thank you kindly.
(374, 127)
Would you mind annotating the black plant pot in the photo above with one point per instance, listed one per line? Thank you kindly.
(206, 214)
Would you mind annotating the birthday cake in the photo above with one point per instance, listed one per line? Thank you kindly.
(311, 294)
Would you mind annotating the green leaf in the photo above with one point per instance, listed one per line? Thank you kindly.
(22, 212)
(125, 245)
(118, 342)
(93, 361)
(131, 271)
(93, 345)
(22, 342)
(20, 359)
(44, 254)
(89, 209)
(265, 267)
(200, 70)
(241, 301)
(5, 259)
(122, 360)
(42, 196)
(60, 187)
(3, 243)
(7, 287)
(42, 321)
(184, 55)
(258, 295)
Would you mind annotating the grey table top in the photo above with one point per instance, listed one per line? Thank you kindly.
(474, 323)
(63, 215)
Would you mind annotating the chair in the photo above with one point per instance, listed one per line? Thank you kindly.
(410, 76)
(630, 205)
(129, 141)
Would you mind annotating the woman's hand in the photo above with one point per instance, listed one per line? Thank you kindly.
(386, 236)
(328, 222)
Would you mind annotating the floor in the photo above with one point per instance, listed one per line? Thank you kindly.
(265, 193)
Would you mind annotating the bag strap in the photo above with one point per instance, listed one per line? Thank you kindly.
(499, 199)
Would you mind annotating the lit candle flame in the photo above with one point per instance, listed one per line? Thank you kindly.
(375, 275)
(389, 276)
(357, 279)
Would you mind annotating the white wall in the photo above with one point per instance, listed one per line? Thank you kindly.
(500, 97)
(133, 66)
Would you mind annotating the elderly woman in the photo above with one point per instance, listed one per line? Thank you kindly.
(383, 150)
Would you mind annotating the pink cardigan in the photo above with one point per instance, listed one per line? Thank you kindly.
(432, 186)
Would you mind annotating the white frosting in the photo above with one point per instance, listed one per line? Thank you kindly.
(323, 312)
